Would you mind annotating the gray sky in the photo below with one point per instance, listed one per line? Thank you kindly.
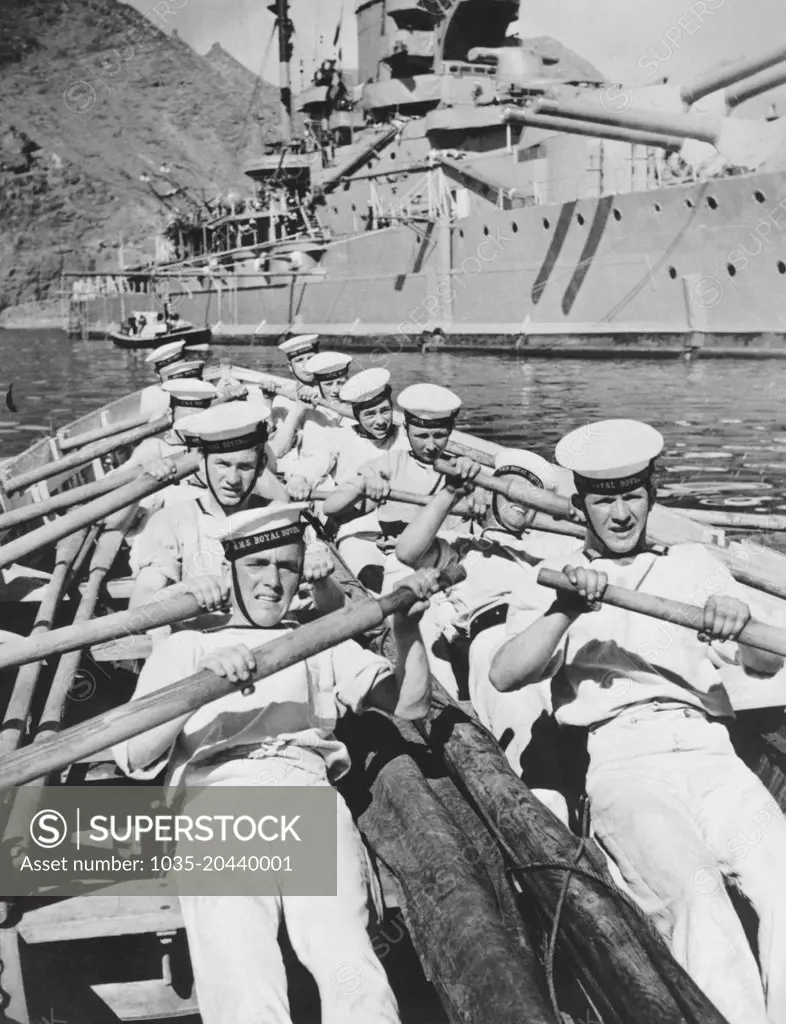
(626, 39)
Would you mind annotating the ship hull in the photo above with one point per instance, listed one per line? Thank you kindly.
(666, 271)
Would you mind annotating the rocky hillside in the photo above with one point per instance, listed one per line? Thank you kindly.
(92, 95)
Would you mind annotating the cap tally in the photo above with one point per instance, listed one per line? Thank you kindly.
(165, 354)
(610, 456)
(231, 427)
(189, 394)
(259, 529)
(183, 368)
(327, 366)
(366, 388)
(301, 343)
(526, 464)
(429, 405)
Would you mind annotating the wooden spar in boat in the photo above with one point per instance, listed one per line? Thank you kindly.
(18, 710)
(164, 611)
(95, 510)
(69, 443)
(67, 499)
(755, 634)
(85, 455)
(449, 875)
(621, 962)
(191, 693)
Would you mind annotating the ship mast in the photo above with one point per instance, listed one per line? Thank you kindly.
(285, 30)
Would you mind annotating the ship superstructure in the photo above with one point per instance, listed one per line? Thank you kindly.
(474, 190)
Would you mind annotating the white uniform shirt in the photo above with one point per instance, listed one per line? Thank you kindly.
(496, 563)
(297, 706)
(352, 451)
(314, 457)
(612, 659)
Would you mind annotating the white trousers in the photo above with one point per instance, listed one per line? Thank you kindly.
(238, 967)
(682, 816)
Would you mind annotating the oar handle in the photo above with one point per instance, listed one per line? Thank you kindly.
(691, 616)
(187, 695)
(519, 491)
(117, 499)
(68, 443)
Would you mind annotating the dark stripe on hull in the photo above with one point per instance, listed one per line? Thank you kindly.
(554, 250)
(588, 252)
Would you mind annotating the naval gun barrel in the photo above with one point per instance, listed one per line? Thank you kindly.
(715, 80)
(755, 85)
(571, 126)
(686, 126)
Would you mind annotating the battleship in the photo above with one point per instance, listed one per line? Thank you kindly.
(474, 191)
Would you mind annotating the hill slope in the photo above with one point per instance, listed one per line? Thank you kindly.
(92, 95)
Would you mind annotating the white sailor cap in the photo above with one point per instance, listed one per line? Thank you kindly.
(183, 368)
(429, 405)
(301, 343)
(165, 354)
(189, 393)
(256, 529)
(328, 366)
(610, 456)
(366, 388)
(529, 465)
(230, 427)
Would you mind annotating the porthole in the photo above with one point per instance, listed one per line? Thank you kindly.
(617, 214)
(731, 270)
(580, 218)
(485, 230)
(781, 267)
(689, 203)
(672, 272)
(546, 223)
(515, 227)
(712, 202)
(658, 207)
(759, 196)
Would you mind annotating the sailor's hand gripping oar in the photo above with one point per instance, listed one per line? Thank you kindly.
(721, 618)
(189, 694)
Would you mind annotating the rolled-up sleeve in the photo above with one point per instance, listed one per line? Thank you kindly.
(356, 672)
(175, 659)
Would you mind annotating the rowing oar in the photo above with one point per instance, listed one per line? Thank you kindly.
(92, 512)
(187, 695)
(16, 715)
(756, 634)
(459, 443)
(518, 491)
(67, 444)
(85, 455)
(737, 520)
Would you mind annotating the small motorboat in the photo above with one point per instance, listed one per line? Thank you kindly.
(149, 329)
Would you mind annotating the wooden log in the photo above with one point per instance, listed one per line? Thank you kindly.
(161, 612)
(67, 499)
(15, 720)
(755, 634)
(68, 444)
(95, 510)
(79, 458)
(449, 877)
(191, 693)
(621, 962)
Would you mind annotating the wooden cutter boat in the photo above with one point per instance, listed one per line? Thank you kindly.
(400, 775)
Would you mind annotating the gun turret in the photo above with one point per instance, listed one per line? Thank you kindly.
(708, 83)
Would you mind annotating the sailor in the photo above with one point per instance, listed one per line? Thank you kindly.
(352, 446)
(495, 554)
(669, 796)
(310, 466)
(281, 735)
(430, 413)
(185, 396)
(154, 403)
(288, 414)
(181, 543)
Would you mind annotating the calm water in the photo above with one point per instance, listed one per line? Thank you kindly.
(724, 421)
